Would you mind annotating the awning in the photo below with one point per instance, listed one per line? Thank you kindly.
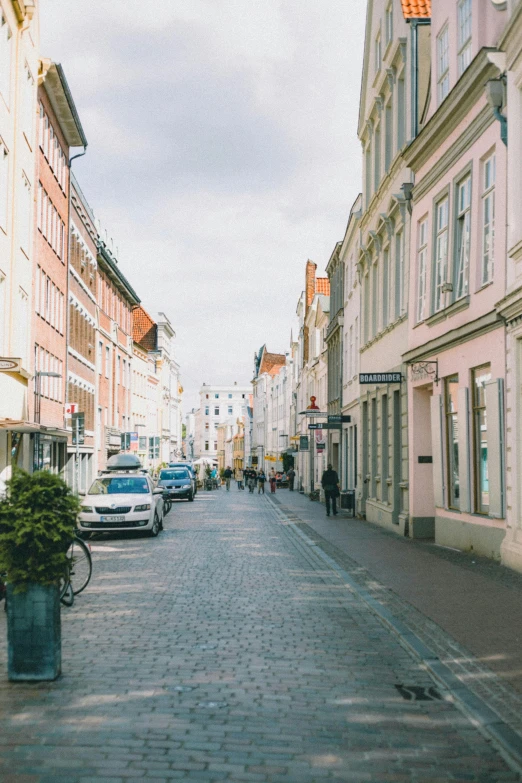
(24, 427)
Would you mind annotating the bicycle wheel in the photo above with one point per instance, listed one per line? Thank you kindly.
(80, 568)
(67, 596)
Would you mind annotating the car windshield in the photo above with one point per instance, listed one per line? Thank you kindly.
(120, 485)
(173, 475)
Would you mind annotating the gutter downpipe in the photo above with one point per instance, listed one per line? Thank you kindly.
(68, 320)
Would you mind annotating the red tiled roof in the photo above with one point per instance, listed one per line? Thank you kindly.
(322, 286)
(272, 363)
(144, 329)
(416, 9)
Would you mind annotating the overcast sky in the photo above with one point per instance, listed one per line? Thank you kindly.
(223, 154)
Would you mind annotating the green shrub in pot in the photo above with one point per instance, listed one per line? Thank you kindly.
(37, 523)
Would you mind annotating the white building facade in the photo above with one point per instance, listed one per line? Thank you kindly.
(218, 405)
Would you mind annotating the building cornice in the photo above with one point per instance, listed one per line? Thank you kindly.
(486, 323)
(511, 41)
(110, 267)
(453, 110)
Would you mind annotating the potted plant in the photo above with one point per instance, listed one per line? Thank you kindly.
(37, 523)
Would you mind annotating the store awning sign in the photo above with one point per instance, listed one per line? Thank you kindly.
(9, 365)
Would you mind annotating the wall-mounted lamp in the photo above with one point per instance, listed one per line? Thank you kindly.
(495, 90)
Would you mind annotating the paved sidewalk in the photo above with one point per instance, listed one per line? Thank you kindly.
(223, 651)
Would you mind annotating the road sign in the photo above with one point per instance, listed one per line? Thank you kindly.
(304, 443)
(332, 425)
(339, 418)
(380, 377)
(313, 413)
(315, 426)
(78, 428)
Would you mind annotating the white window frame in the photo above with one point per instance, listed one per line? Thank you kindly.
(464, 22)
(488, 219)
(389, 23)
(4, 185)
(440, 266)
(6, 38)
(443, 64)
(378, 52)
(463, 237)
(422, 269)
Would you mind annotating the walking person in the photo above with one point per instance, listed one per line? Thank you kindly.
(227, 475)
(273, 481)
(252, 478)
(291, 479)
(239, 478)
(261, 481)
(330, 484)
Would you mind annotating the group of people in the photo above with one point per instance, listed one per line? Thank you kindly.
(251, 478)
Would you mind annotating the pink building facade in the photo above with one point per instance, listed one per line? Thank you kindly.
(456, 339)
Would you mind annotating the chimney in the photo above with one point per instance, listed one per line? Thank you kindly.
(310, 283)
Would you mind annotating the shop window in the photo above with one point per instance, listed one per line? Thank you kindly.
(480, 438)
(452, 441)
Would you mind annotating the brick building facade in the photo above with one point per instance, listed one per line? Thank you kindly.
(59, 129)
(82, 328)
(116, 299)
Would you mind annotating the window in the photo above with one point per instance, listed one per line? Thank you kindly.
(443, 64)
(207, 411)
(368, 173)
(366, 310)
(206, 445)
(4, 184)
(27, 104)
(388, 136)
(207, 425)
(100, 357)
(399, 274)
(480, 437)
(25, 216)
(350, 355)
(441, 253)
(488, 220)
(375, 298)
(422, 263)
(215, 445)
(230, 410)
(389, 23)
(378, 53)
(216, 411)
(463, 237)
(2, 310)
(452, 436)
(464, 35)
(385, 286)
(5, 57)
(356, 360)
(107, 361)
(377, 159)
(216, 396)
(401, 113)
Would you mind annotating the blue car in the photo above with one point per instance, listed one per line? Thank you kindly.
(190, 467)
(176, 483)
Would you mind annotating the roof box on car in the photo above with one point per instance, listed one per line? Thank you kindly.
(124, 462)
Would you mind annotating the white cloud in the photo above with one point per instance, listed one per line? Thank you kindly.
(222, 154)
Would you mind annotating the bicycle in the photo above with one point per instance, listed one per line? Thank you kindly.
(78, 571)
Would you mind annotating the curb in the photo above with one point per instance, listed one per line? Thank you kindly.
(480, 714)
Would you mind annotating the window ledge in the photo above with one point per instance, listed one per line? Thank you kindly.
(447, 312)
(483, 286)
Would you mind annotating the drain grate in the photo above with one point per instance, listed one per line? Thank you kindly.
(419, 693)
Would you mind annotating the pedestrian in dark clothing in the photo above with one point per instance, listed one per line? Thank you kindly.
(291, 479)
(273, 481)
(261, 480)
(252, 478)
(330, 484)
(227, 475)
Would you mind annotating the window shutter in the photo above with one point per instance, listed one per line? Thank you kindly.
(464, 446)
(436, 445)
(495, 440)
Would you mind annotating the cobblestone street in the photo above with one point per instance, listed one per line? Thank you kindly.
(221, 651)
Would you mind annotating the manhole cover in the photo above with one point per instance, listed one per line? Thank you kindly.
(419, 693)
(209, 705)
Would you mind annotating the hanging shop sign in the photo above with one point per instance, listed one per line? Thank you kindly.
(304, 443)
(9, 365)
(337, 417)
(380, 377)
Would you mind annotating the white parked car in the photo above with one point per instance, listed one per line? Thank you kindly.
(122, 498)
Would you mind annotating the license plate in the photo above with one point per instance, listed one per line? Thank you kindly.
(112, 519)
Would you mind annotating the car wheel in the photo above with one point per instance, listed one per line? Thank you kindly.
(191, 497)
(153, 532)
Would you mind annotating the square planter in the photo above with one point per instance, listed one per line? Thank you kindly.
(34, 643)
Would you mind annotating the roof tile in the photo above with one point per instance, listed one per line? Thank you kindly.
(144, 329)
(416, 9)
